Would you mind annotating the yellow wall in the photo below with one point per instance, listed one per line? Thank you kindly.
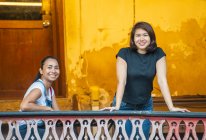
(96, 29)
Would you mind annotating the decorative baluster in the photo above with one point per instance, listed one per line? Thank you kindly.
(28, 130)
(157, 126)
(35, 128)
(85, 124)
(173, 127)
(190, 126)
(137, 124)
(50, 124)
(106, 129)
(1, 135)
(68, 124)
(102, 137)
(54, 131)
(11, 129)
(102, 123)
(47, 126)
(120, 123)
(82, 131)
(17, 132)
(204, 135)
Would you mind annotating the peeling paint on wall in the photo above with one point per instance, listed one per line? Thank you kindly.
(185, 51)
(96, 30)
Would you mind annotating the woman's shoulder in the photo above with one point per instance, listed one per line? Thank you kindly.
(37, 85)
(125, 50)
(159, 49)
(159, 53)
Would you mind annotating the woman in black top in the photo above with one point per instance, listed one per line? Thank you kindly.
(136, 69)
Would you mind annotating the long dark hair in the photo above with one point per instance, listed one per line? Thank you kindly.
(148, 28)
(38, 76)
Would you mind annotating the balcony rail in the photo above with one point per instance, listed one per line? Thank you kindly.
(104, 125)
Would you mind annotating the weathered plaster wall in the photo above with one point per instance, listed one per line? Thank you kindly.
(181, 31)
(96, 29)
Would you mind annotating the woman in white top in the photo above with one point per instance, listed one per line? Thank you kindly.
(40, 95)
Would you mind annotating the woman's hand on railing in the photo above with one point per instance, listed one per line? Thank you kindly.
(49, 108)
(109, 109)
(179, 109)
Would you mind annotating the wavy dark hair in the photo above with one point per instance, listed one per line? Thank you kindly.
(148, 28)
(42, 64)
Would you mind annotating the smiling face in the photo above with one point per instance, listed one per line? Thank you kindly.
(141, 40)
(50, 71)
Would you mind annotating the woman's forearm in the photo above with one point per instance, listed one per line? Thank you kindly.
(166, 94)
(35, 107)
(121, 78)
(119, 94)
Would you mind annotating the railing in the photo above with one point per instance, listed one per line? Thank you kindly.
(103, 125)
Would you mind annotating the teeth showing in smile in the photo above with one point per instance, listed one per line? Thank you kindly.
(142, 43)
(52, 75)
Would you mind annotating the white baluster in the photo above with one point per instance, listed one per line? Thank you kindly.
(157, 126)
(85, 124)
(204, 135)
(102, 123)
(17, 132)
(53, 127)
(11, 128)
(68, 124)
(120, 124)
(173, 127)
(1, 135)
(35, 128)
(190, 127)
(137, 124)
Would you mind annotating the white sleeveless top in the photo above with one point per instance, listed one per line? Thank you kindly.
(41, 100)
(39, 85)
